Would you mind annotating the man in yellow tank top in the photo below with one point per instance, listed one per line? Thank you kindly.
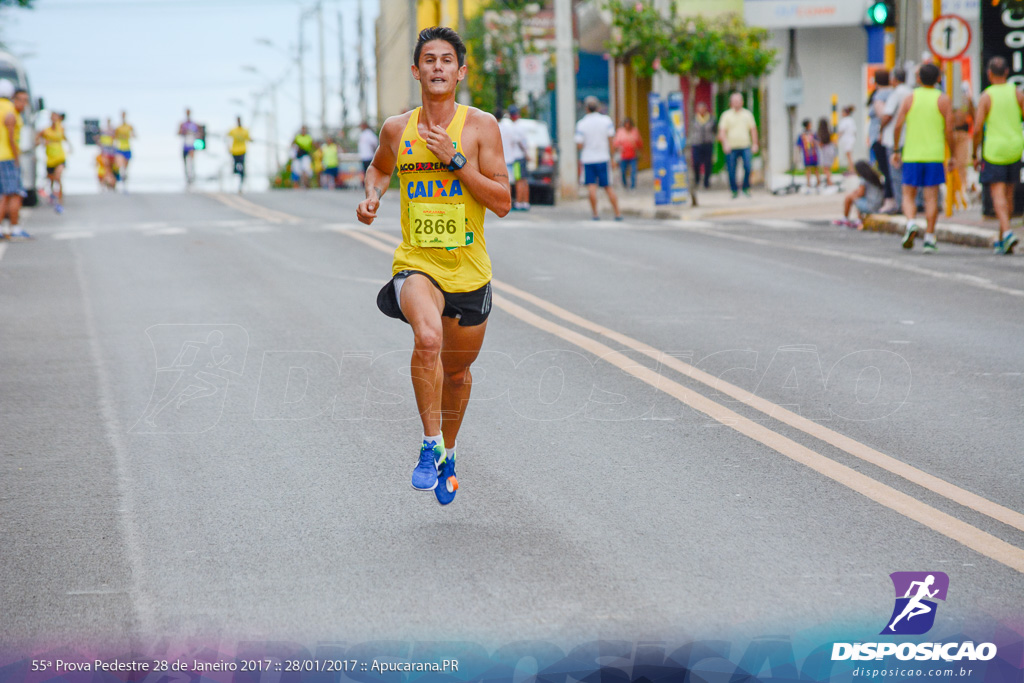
(928, 115)
(998, 120)
(13, 102)
(452, 168)
(123, 135)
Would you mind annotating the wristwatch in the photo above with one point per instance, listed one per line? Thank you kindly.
(457, 162)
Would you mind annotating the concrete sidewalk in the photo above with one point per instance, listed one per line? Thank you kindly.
(966, 227)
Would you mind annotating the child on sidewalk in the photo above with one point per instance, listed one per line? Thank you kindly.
(867, 197)
(807, 143)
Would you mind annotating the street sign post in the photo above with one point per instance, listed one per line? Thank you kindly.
(949, 36)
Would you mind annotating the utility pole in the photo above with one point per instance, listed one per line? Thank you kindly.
(302, 72)
(414, 34)
(323, 71)
(361, 67)
(344, 73)
(464, 97)
(566, 88)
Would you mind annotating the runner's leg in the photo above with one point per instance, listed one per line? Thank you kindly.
(460, 347)
(422, 304)
(931, 206)
(1001, 204)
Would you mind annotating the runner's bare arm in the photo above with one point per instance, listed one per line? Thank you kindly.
(979, 123)
(378, 175)
(9, 123)
(485, 176)
(946, 109)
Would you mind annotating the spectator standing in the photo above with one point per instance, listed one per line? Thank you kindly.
(628, 143)
(876, 109)
(737, 132)
(367, 145)
(702, 141)
(521, 179)
(807, 143)
(513, 144)
(847, 131)
(594, 133)
(901, 91)
(827, 150)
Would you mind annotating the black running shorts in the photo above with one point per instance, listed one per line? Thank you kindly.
(470, 308)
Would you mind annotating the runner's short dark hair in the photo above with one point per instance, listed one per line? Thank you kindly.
(929, 74)
(998, 66)
(18, 91)
(899, 75)
(440, 33)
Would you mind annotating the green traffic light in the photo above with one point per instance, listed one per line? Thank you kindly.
(878, 13)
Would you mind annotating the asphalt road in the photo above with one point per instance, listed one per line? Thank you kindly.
(859, 413)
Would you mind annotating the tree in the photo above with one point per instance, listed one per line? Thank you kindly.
(720, 49)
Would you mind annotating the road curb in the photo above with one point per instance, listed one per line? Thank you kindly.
(965, 235)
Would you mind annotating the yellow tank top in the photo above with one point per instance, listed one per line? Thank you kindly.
(431, 198)
(54, 137)
(925, 138)
(123, 137)
(6, 153)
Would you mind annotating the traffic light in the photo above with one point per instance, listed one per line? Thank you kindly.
(200, 141)
(882, 13)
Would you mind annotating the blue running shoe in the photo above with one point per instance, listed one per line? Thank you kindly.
(424, 477)
(447, 484)
(1009, 241)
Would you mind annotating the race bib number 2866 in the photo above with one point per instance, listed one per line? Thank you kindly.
(437, 225)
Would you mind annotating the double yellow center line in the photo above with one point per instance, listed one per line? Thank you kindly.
(970, 536)
(908, 506)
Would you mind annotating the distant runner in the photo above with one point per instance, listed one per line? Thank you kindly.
(53, 138)
(302, 164)
(189, 132)
(238, 136)
(451, 168)
(123, 135)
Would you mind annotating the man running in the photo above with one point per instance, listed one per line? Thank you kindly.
(189, 132)
(329, 157)
(999, 120)
(12, 104)
(123, 135)
(928, 114)
(302, 164)
(520, 154)
(53, 138)
(451, 168)
(238, 137)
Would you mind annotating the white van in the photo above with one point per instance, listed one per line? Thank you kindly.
(13, 70)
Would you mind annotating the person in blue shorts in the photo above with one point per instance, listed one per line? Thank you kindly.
(928, 116)
(594, 133)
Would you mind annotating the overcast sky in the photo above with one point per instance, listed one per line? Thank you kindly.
(154, 58)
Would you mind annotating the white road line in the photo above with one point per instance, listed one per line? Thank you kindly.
(251, 229)
(951, 276)
(114, 430)
(780, 224)
(74, 235)
(3, 249)
(166, 231)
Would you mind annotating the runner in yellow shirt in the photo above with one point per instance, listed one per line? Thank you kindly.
(238, 136)
(123, 135)
(54, 138)
(451, 168)
(12, 103)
